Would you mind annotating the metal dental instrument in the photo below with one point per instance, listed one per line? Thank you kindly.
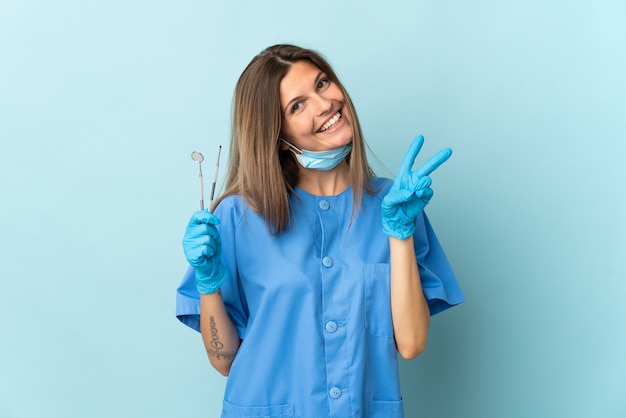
(196, 156)
(217, 167)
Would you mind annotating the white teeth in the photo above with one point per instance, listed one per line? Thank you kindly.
(331, 122)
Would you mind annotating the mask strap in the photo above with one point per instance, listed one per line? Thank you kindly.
(291, 146)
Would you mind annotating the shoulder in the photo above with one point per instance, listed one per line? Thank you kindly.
(381, 186)
(231, 209)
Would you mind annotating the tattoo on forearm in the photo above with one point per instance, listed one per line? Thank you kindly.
(216, 344)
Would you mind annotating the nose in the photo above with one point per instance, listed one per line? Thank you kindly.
(323, 105)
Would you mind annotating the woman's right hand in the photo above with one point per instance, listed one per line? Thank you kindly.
(203, 250)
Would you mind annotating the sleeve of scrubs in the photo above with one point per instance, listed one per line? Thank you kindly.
(188, 300)
(439, 283)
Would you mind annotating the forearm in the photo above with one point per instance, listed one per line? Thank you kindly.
(218, 332)
(409, 309)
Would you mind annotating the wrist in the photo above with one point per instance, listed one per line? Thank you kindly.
(211, 284)
(399, 231)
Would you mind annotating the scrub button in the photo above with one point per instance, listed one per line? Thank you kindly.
(327, 262)
(331, 326)
(335, 393)
(324, 205)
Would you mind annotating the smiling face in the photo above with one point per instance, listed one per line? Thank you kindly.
(312, 109)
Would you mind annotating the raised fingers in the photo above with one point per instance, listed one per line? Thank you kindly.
(409, 157)
(433, 162)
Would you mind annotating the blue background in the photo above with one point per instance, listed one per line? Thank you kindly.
(102, 102)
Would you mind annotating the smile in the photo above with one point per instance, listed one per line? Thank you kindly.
(331, 122)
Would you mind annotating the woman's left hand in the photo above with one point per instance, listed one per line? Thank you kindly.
(410, 192)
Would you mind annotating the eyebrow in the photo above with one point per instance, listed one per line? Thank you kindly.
(298, 98)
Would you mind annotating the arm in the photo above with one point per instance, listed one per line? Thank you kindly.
(409, 194)
(409, 310)
(220, 337)
(203, 248)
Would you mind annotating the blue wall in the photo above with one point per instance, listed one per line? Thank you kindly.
(101, 104)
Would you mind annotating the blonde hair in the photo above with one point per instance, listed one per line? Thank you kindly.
(258, 170)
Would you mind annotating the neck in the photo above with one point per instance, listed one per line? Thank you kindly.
(324, 183)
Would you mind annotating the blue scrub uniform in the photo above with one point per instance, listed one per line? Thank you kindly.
(312, 307)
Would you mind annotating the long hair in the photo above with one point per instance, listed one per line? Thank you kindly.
(258, 170)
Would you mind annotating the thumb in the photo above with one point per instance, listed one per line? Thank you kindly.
(396, 197)
(204, 217)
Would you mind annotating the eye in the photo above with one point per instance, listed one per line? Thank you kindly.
(297, 107)
(324, 82)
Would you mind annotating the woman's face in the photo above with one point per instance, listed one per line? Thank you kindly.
(312, 106)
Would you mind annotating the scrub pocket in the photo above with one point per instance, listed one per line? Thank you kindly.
(278, 411)
(386, 409)
(377, 300)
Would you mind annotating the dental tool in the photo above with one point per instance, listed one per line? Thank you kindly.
(217, 167)
(196, 156)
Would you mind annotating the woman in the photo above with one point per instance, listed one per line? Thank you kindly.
(311, 274)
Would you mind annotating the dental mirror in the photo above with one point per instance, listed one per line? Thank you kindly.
(197, 157)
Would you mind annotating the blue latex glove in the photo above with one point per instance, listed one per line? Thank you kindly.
(410, 191)
(203, 249)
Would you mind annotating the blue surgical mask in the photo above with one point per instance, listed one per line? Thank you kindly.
(320, 160)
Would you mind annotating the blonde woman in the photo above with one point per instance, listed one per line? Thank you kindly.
(312, 274)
